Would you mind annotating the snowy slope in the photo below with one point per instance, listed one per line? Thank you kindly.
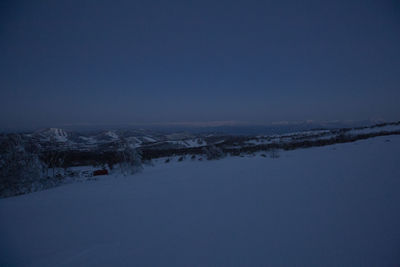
(58, 135)
(197, 142)
(112, 135)
(330, 206)
(386, 128)
(149, 139)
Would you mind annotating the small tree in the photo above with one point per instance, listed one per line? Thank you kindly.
(212, 152)
(53, 157)
(130, 158)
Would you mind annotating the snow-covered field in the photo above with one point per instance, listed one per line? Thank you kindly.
(337, 205)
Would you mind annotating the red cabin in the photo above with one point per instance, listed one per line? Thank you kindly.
(100, 172)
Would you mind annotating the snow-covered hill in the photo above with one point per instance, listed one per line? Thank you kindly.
(148, 139)
(52, 134)
(330, 206)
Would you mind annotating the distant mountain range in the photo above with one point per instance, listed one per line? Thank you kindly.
(225, 127)
(195, 137)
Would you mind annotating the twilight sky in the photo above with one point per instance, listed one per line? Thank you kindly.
(121, 62)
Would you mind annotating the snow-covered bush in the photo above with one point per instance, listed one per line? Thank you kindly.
(213, 152)
(20, 167)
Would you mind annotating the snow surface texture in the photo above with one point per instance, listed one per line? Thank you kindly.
(330, 206)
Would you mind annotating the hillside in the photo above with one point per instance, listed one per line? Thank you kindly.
(327, 206)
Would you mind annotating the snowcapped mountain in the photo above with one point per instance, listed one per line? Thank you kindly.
(106, 136)
(112, 134)
(147, 139)
(187, 143)
(52, 134)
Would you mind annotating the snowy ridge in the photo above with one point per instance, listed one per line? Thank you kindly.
(377, 129)
(322, 134)
(112, 134)
(148, 140)
(56, 134)
(189, 143)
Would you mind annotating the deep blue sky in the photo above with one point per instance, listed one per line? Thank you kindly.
(119, 62)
